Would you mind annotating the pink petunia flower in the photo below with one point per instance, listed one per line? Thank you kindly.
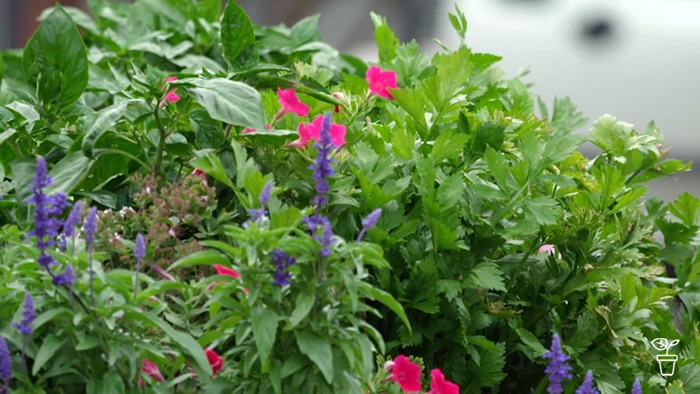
(215, 361)
(312, 131)
(407, 374)
(152, 370)
(171, 96)
(438, 384)
(290, 104)
(381, 81)
(548, 248)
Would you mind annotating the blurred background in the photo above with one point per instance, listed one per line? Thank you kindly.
(635, 59)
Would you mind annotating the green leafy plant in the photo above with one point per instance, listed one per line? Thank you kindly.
(422, 206)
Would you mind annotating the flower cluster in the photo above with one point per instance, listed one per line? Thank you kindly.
(282, 262)
(407, 375)
(557, 369)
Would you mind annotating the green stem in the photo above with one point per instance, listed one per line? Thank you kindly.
(163, 133)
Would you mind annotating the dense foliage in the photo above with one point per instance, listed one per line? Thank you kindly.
(261, 213)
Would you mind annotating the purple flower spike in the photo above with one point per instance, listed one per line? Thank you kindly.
(90, 226)
(588, 387)
(265, 193)
(67, 278)
(323, 168)
(557, 369)
(282, 262)
(5, 365)
(369, 222)
(47, 211)
(28, 316)
(637, 388)
(139, 247)
(73, 219)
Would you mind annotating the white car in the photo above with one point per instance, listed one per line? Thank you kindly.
(638, 60)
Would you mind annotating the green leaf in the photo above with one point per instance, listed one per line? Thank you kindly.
(104, 120)
(264, 322)
(204, 257)
(448, 145)
(403, 143)
(55, 60)
(390, 302)
(304, 303)
(543, 209)
(229, 101)
(111, 383)
(305, 31)
(687, 209)
(49, 347)
(317, 350)
(385, 38)
(237, 37)
(211, 165)
(413, 102)
(486, 275)
(68, 172)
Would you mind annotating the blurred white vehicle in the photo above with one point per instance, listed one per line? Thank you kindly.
(636, 59)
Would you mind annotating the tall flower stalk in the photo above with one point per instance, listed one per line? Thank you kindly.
(24, 326)
(557, 369)
(90, 228)
(5, 367)
(139, 254)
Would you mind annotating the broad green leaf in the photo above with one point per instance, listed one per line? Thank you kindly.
(304, 303)
(318, 350)
(49, 346)
(229, 101)
(385, 38)
(111, 383)
(68, 172)
(413, 102)
(264, 322)
(55, 60)
(486, 275)
(237, 37)
(104, 120)
(305, 31)
(204, 257)
(208, 133)
(211, 165)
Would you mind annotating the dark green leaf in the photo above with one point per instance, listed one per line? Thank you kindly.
(237, 37)
(49, 346)
(55, 59)
(104, 120)
(264, 322)
(317, 350)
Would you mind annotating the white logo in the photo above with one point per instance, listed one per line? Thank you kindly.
(667, 362)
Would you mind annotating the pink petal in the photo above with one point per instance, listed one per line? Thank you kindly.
(171, 96)
(152, 370)
(290, 102)
(338, 134)
(221, 270)
(381, 81)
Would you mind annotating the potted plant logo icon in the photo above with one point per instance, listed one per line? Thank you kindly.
(667, 362)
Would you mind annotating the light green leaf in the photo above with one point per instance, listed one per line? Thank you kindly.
(303, 306)
(317, 350)
(104, 120)
(211, 165)
(264, 322)
(403, 143)
(49, 347)
(232, 102)
(448, 145)
(390, 302)
(204, 257)
(385, 38)
(687, 209)
(68, 172)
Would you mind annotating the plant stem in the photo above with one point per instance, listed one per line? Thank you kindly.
(163, 133)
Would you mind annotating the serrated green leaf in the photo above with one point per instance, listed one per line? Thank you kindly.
(402, 143)
(211, 165)
(385, 38)
(687, 209)
(448, 145)
(486, 275)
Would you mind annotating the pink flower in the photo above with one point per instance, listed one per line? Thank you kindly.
(438, 384)
(221, 270)
(407, 374)
(312, 131)
(215, 361)
(290, 103)
(152, 370)
(171, 96)
(250, 130)
(548, 248)
(381, 81)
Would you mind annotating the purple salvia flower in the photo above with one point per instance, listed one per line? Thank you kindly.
(265, 193)
(326, 238)
(73, 219)
(28, 315)
(369, 222)
(282, 262)
(90, 228)
(67, 278)
(5, 366)
(557, 369)
(637, 388)
(588, 387)
(139, 253)
(47, 211)
(323, 168)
